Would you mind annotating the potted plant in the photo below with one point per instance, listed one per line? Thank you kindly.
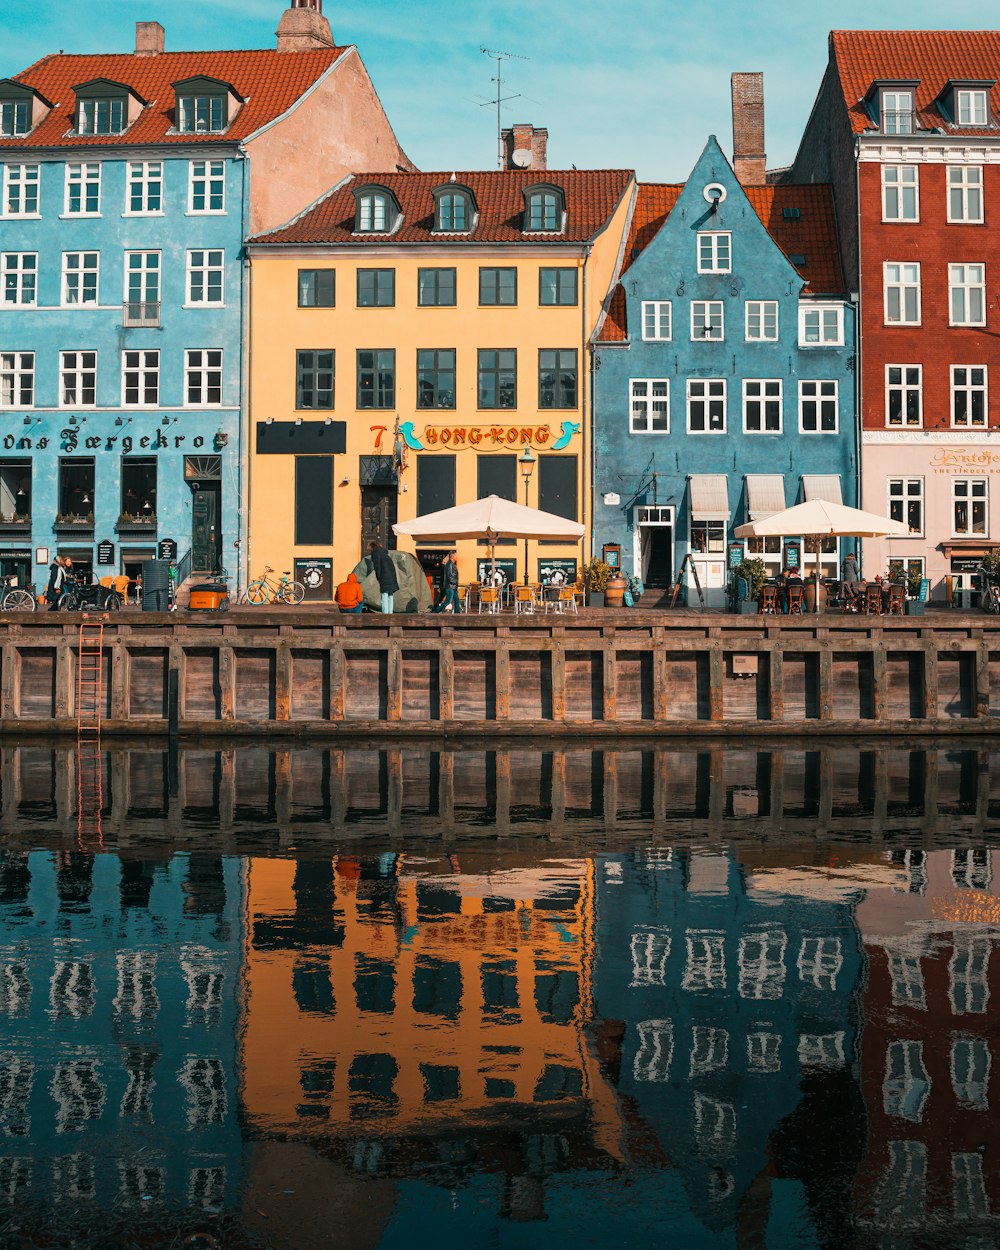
(596, 575)
(17, 522)
(753, 570)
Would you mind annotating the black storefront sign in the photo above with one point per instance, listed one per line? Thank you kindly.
(306, 438)
(105, 552)
(316, 576)
(166, 549)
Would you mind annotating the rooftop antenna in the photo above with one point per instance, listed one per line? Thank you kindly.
(500, 57)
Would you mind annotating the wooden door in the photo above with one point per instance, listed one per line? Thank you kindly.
(378, 515)
(206, 538)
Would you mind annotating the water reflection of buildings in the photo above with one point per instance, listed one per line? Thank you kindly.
(117, 1025)
(929, 1073)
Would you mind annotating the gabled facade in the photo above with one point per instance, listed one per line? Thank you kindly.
(724, 384)
(906, 127)
(127, 186)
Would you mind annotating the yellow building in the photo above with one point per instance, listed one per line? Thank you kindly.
(411, 336)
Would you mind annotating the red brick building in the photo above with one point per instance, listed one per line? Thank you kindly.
(906, 126)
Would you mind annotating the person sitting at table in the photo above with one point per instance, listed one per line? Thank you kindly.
(789, 578)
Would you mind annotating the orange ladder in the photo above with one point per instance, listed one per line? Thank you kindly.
(89, 757)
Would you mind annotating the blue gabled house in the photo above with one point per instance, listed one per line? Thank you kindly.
(724, 375)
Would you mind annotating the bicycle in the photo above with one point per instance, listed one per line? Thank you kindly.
(15, 598)
(989, 599)
(264, 589)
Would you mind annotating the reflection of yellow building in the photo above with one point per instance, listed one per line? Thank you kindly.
(405, 1003)
(439, 323)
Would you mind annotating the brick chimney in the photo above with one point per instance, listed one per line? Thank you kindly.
(148, 38)
(303, 26)
(531, 146)
(749, 160)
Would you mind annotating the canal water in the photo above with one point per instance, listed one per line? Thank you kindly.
(703, 997)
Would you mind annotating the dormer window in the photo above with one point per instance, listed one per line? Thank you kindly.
(454, 209)
(21, 108)
(376, 211)
(204, 106)
(897, 112)
(544, 209)
(15, 117)
(105, 108)
(971, 106)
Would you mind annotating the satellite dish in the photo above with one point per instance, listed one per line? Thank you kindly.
(521, 157)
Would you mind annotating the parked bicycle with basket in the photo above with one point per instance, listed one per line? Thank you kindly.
(266, 589)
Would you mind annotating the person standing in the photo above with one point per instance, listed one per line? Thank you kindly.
(850, 580)
(385, 574)
(449, 577)
(57, 582)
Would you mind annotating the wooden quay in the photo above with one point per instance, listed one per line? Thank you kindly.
(258, 672)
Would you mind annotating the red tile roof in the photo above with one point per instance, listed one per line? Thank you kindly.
(812, 235)
(591, 198)
(934, 57)
(269, 81)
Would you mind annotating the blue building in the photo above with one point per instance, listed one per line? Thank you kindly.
(724, 375)
(126, 196)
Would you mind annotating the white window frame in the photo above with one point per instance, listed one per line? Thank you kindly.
(203, 270)
(907, 1085)
(15, 369)
(764, 400)
(21, 182)
(705, 391)
(820, 961)
(82, 176)
(965, 185)
(80, 272)
(190, 106)
(657, 320)
(911, 490)
(81, 368)
(705, 961)
(966, 282)
(969, 389)
(148, 275)
(15, 118)
(715, 251)
(143, 174)
(761, 960)
(710, 314)
(203, 367)
(906, 386)
(971, 868)
(90, 122)
(966, 100)
(641, 395)
(971, 1063)
(709, 1049)
(968, 973)
(962, 492)
(655, 1051)
(204, 178)
(829, 325)
(762, 310)
(146, 363)
(897, 182)
(820, 397)
(650, 950)
(897, 98)
(901, 277)
(374, 214)
(19, 266)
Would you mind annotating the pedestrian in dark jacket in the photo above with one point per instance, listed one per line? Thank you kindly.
(57, 582)
(449, 576)
(385, 574)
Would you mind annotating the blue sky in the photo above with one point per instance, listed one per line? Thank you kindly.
(637, 85)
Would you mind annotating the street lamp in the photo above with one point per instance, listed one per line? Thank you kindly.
(527, 462)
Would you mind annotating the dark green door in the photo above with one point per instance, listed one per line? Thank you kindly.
(206, 536)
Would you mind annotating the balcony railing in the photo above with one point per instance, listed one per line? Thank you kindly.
(142, 313)
(899, 122)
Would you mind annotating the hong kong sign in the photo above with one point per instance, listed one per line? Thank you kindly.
(487, 437)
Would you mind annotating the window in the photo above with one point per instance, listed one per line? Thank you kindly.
(762, 321)
(970, 502)
(436, 288)
(971, 108)
(374, 215)
(544, 211)
(897, 112)
(900, 193)
(706, 406)
(967, 295)
(496, 475)
(144, 188)
(76, 499)
(557, 379)
(761, 406)
(706, 321)
(557, 286)
(904, 395)
(140, 379)
(818, 407)
(435, 483)
(102, 117)
(497, 378)
(656, 323)
(820, 962)
(201, 114)
(454, 212)
(15, 117)
(205, 277)
(655, 1051)
(17, 379)
(83, 189)
(436, 379)
(821, 325)
(77, 379)
(142, 277)
(965, 193)
(902, 294)
(20, 190)
(18, 277)
(650, 952)
(906, 502)
(317, 288)
(498, 286)
(557, 485)
(376, 288)
(377, 379)
(203, 378)
(715, 252)
(80, 278)
(649, 400)
(313, 507)
(207, 187)
(968, 967)
(314, 375)
(968, 395)
(970, 1071)
(762, 964)
(138, 500)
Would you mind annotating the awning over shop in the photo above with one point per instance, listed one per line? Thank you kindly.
(765, 495)
(824, 486)
(709, 497)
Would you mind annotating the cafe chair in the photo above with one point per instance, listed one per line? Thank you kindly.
(768, 599)
(489, 599)
(897, 595)
(873, 600)
(795, 596)
(564, 600)
(524, 600)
